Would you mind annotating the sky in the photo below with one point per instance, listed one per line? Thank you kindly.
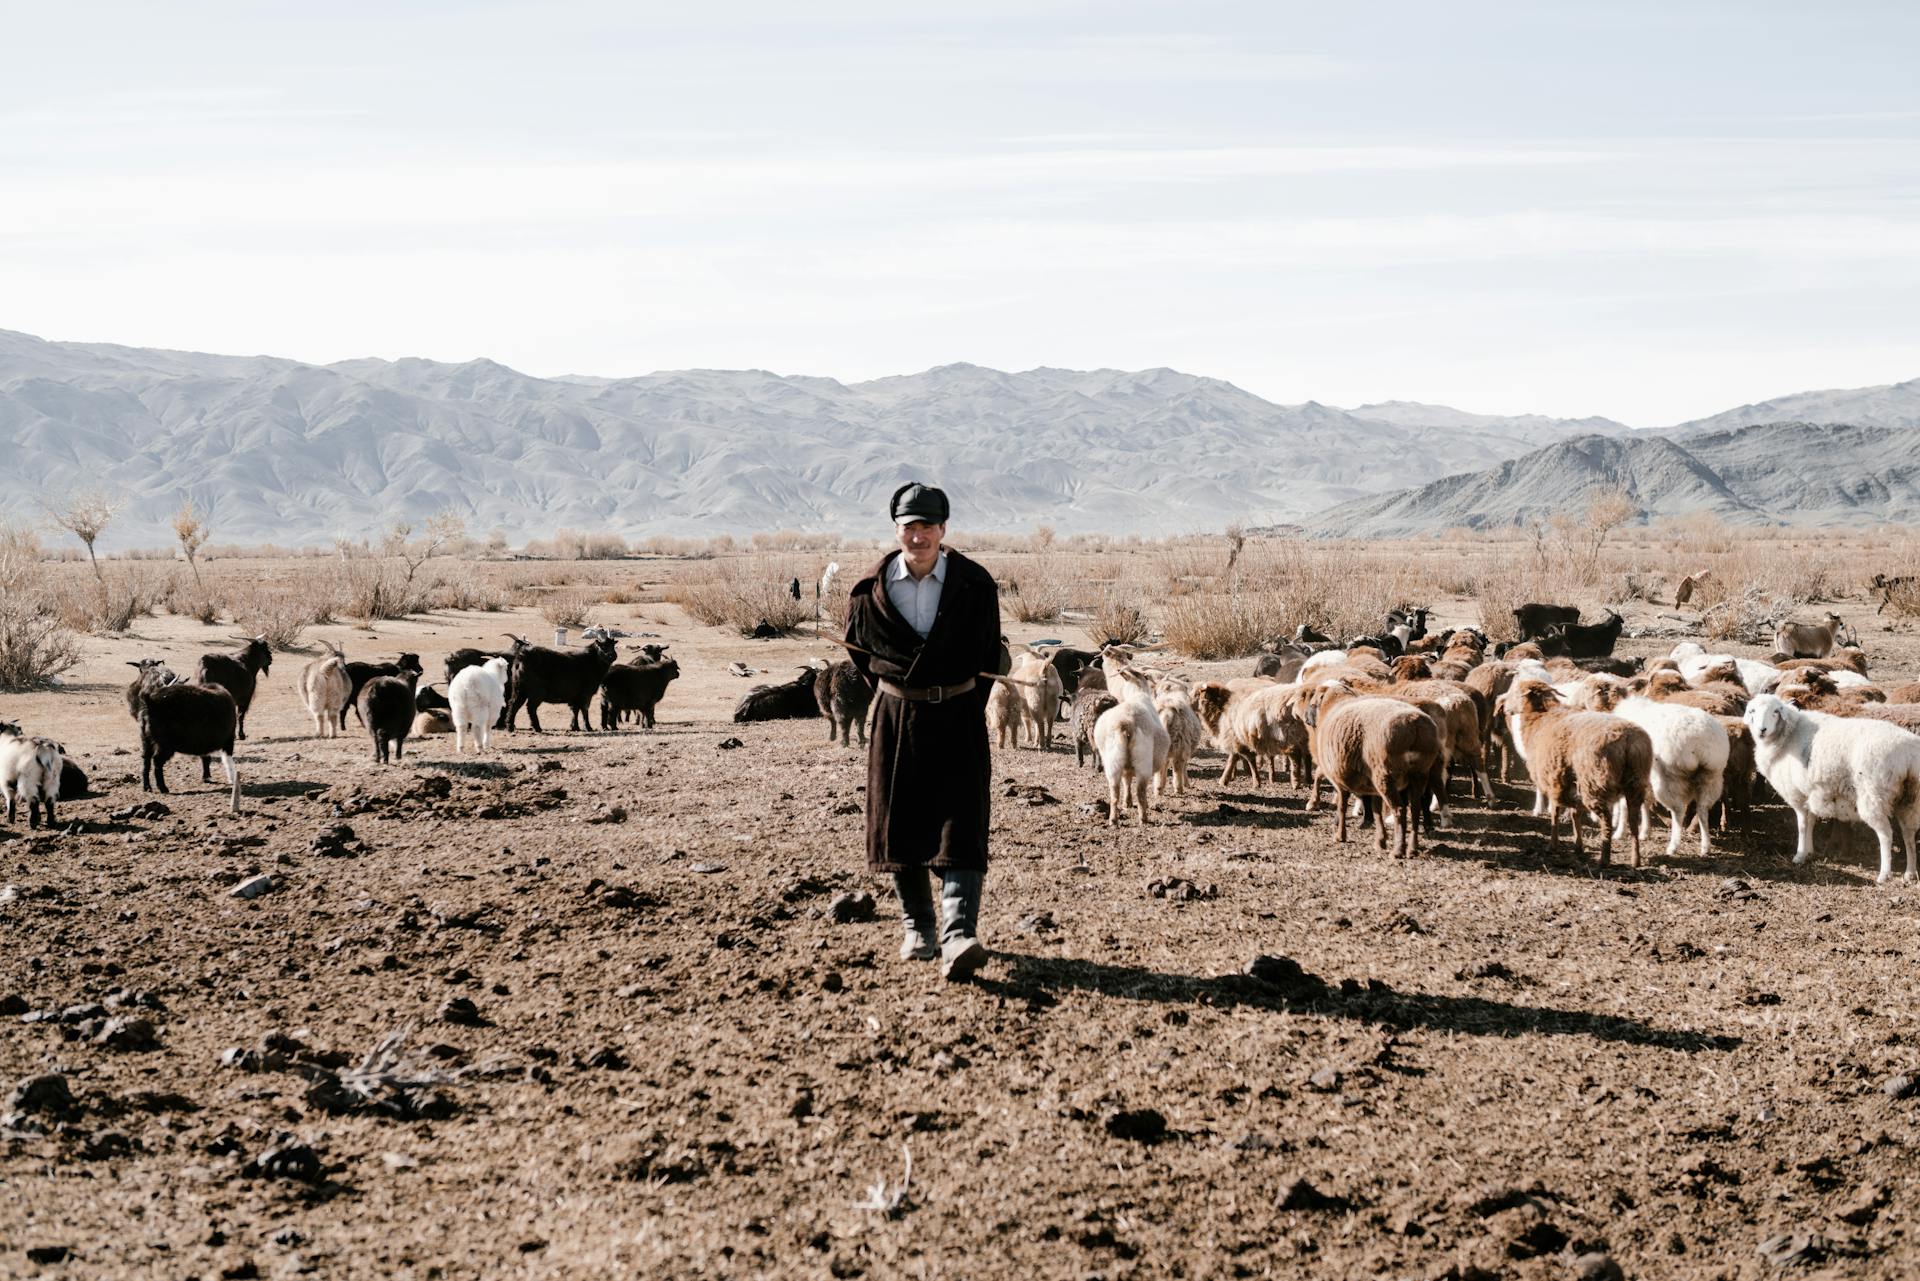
(1648, 211)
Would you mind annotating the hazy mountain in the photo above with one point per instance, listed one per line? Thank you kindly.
(279, 450)
(1790, 473)
(1895, 405)
(1411, 413)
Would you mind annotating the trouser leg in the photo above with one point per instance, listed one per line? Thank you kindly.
(915, 891)
(960, 904)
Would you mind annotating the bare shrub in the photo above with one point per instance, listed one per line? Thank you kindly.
(190, 528)
(279, 613)
(86, 516)
(1119, 621)
(745, 593)
(568, 608)
(1215, 625)
(34, 646)
(465, 589)
(372, 590)
(1904, 600)
(1039, 594)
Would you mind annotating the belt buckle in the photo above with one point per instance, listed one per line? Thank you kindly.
(938, 694)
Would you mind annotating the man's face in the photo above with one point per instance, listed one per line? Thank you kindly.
(920, 543)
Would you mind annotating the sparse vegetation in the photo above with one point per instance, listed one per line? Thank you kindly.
(745, 593)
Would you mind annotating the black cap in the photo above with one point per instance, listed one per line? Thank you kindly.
(914, 501)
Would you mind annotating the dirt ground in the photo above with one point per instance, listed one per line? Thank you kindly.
(637, 1041)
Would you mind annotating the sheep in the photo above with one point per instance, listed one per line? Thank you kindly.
(30, 771)
(461, 659)
(1737, 792)
(1807, 640)
(1817, 693)
(1411, 667)
(1465, 714)
(1491, 681)
(237, 673)
(1263, 724)
(1694, 662)
(1284, 663)
(406, 668)
(1387, 643)
(1593, 640)
(1534, 620)
(1515, 651)
(475, 696)
(1088, 704)
(1690, 752)
(1132, 743)
(1858, 771)
(793, 700)
(1581, 761)
(570, 676)
(1844, 659)
(386, 708)
(1714, 699)
(187, 720)
(639, 687)
(1174, 703)
(431, 723)
(324, 686)
(1377, 747)
(1823, 692)
(1908, 693)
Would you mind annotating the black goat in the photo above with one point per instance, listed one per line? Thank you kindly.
(237, 673)
(1535, 620)
(386, 706)
(404, 668)
(1386, 642)
(154, 673)
(843, 697)
(73, 779)
(1591, 640)
(461, 659)
(1283, 665)
(428, 699)
(792, 701)
(635, 687)
(1611, 666)
(570, 676)
(187, 720)
(1413, 620)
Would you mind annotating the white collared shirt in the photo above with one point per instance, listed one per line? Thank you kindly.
(917, 600)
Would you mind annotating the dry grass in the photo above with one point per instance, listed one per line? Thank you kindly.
(1039, 594)
(1120, 621)
(34, 646)
(280, 616)
(746, 593)
(572, 608)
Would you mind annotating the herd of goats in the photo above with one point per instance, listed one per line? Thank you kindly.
(1385, 720)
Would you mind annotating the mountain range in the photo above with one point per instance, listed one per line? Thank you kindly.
(279, 450)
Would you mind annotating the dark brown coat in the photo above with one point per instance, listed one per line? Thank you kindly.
(929, 769)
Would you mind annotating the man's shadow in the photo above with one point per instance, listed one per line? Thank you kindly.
(1037, 980)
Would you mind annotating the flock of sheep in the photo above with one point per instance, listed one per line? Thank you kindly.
(1386, 721)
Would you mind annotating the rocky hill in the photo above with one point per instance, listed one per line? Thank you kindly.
(279, 450)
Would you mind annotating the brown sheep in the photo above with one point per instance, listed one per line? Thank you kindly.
(1721, 700)
(1464, 713)
(1184, 730)
(1736, 792)
(1908, 693)
(1847, 659)
(1817, 692)
(1266, 724)
(1377, 747)
(1525, 650)
(1411, 667)
(1490, 681)
(1724, 672)
(1583, 762)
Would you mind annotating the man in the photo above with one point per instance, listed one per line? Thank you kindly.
(928, 621)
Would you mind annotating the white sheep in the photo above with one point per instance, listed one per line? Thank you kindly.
(1185, 733)
(1858, 771)
(1132, 743)
(29, 771)
(1695, 662)
(474, 698)
(1690, 750)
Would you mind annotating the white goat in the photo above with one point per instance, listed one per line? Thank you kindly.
(474, 699)
(1858, 771)
(325, 685)
(29, 771)
(1132, 743)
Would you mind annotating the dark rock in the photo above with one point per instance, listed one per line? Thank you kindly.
(461, 1010)
(12, 1004)
(847, 908)
(126, 1033)
(1137, 1125)
(1298, 1194)
(832, 982)
(728, 744)
(288, 1160)
(1180, 890)
(107, 1145)
(1284, 975)
(49, 1253)
(43, 1095)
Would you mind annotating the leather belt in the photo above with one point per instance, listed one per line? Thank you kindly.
(926, 693)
